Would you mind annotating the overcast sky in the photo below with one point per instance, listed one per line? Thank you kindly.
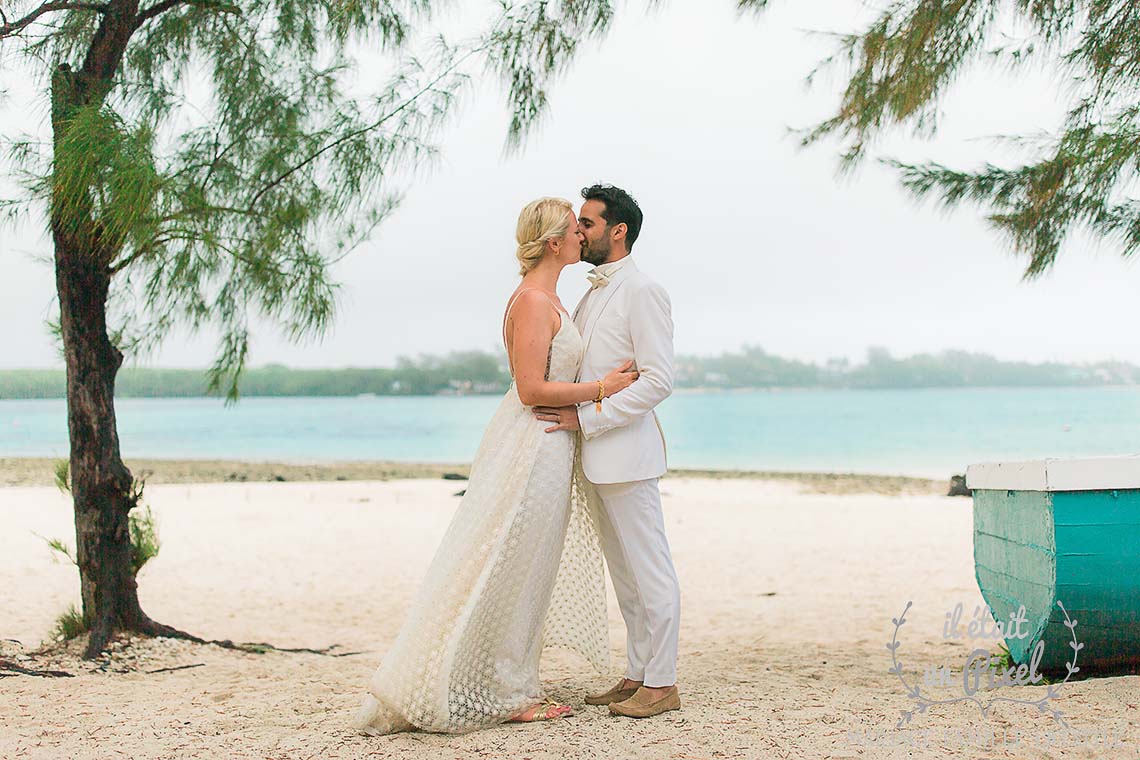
(756, 241)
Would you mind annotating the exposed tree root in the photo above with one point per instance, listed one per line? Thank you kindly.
(12, 669)
(149, 627)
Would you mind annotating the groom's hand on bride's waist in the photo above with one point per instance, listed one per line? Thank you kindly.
(565, 417)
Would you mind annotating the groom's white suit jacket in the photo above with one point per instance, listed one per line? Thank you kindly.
(630, 317)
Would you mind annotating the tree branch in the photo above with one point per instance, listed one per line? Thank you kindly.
(7, 29)
(429, 87)
(165, 5)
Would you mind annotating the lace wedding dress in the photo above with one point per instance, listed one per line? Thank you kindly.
(519, 568)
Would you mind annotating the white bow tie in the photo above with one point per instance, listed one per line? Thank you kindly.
(597, 279)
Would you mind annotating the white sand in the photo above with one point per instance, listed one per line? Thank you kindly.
(787, 604)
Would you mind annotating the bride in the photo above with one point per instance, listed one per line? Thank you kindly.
(519, 567)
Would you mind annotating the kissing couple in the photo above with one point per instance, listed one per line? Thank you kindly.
(520, 564)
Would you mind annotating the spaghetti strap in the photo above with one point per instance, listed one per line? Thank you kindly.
(512, 304)
(561, 315)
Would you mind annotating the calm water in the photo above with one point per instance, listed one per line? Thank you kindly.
(919, 432)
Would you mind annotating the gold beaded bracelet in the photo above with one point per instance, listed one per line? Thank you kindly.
(601, 395)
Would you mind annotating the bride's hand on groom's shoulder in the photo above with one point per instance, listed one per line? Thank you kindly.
(565, 417)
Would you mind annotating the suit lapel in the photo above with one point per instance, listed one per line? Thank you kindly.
(578, 308)
(607, 293)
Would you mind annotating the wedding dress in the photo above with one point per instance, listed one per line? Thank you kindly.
(519, 569)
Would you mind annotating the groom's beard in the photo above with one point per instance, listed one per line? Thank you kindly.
(596, 252)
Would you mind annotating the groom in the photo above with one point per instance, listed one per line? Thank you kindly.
(625, 315)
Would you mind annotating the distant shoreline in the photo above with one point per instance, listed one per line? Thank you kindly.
(687, 390)
(39, 471)
(482, 372)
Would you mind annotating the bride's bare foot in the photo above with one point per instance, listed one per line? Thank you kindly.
(548, 709)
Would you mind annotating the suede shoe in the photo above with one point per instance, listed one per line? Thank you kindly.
(615, 694)
(644, 703)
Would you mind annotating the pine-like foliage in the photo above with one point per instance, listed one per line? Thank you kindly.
(1080, 178)
(229, 208)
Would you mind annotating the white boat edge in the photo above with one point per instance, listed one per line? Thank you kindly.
(1057, 474)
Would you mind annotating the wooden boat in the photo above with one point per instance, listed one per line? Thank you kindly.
(1068, 531)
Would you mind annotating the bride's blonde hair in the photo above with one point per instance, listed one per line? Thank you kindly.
(540, 221)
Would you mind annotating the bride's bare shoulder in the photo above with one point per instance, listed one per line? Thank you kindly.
(531, 308)
(527, 300)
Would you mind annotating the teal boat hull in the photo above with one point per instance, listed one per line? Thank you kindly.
(1035, 548)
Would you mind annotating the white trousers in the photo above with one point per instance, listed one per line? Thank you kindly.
(632, 530)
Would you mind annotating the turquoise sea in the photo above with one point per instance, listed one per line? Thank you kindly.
(931, 432)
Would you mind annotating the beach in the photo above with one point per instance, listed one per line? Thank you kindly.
(789, 586)
(39, 471)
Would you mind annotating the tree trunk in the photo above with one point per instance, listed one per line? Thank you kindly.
(100, 482)
(101, 485)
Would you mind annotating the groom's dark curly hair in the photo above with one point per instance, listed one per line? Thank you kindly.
(621, 208)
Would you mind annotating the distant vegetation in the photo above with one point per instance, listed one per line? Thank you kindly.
(755, 368)
(479, 372)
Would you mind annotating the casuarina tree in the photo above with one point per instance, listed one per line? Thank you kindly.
(207, 162)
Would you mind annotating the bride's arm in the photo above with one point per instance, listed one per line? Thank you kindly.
(532, 326)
